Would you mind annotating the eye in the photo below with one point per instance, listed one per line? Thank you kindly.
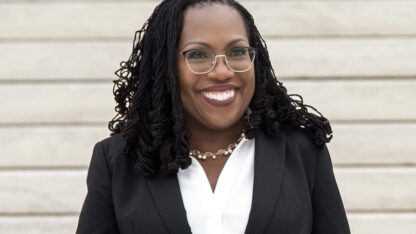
(196, 54)
(235, 52)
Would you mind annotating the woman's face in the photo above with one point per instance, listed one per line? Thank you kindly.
(216, 100)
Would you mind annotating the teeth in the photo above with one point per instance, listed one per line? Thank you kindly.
(220, 96)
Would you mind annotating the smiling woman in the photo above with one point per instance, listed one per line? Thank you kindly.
(215, 101)
(206, 139)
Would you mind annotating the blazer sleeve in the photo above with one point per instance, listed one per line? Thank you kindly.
(328, 210)
(97, 214)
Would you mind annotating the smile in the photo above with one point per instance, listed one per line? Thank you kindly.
(220, 98)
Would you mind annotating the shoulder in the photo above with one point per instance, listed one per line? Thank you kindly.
(114, 142)
(300, 139)
(301, 147)
(113, 147)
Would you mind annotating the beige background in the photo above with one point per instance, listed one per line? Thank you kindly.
(355, 60)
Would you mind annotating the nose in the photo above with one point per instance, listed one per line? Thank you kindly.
(220, 69)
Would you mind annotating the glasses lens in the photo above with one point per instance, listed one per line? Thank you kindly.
(198, 60)
(240, 59)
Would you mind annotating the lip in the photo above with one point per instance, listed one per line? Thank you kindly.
(217, 103)
(219, 88)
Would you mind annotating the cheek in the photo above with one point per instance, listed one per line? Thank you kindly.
(186, 82)
(251, 85)
(181, 71)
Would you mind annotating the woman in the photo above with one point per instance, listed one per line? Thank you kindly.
(206, 140)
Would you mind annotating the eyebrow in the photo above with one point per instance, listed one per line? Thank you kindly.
(208, 45)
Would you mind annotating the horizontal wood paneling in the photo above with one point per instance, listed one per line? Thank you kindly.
(71, 146)
(291, 58)
(274, 18)
(42, 192)
(360, 224)
(83, 103)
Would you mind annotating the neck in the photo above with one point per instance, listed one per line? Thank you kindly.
(206, 140)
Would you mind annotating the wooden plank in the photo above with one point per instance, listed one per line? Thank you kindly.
(101, 19)
(38, 225)
(403, 223)
(373, 144)
(91, 103)
(64, 146)
(62, 191)
(291, 58)
(372, 189)
(378, 223)
(71, 146)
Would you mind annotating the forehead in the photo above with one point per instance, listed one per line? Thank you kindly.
(212, 23)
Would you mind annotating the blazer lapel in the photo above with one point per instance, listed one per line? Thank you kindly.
(268, 174)
(168, 199)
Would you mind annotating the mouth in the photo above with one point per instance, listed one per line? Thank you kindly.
(220, 98)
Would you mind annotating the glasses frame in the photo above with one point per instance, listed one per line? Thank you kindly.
(214, 60)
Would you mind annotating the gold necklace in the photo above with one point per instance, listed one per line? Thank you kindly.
(225, 152)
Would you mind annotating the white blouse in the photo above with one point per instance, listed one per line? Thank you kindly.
(226, 210)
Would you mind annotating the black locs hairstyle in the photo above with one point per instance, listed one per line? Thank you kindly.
(149, 112)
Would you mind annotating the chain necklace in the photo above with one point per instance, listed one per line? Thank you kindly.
(225, 152)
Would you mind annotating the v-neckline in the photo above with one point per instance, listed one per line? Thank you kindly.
(224, 170)
(177, 198)
(218, 197)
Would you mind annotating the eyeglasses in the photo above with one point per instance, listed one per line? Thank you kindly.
(200, 61)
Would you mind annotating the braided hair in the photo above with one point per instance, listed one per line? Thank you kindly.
(149, 112)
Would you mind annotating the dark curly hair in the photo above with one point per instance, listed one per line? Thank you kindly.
(149, 112)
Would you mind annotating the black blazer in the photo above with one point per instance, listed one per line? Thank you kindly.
(294, 192)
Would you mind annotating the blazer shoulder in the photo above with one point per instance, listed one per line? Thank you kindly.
(113, 146)
(301, 139)
(301, 145)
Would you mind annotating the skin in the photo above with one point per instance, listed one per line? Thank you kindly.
(213, 128)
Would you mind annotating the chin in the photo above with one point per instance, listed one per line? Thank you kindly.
(221, 123)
